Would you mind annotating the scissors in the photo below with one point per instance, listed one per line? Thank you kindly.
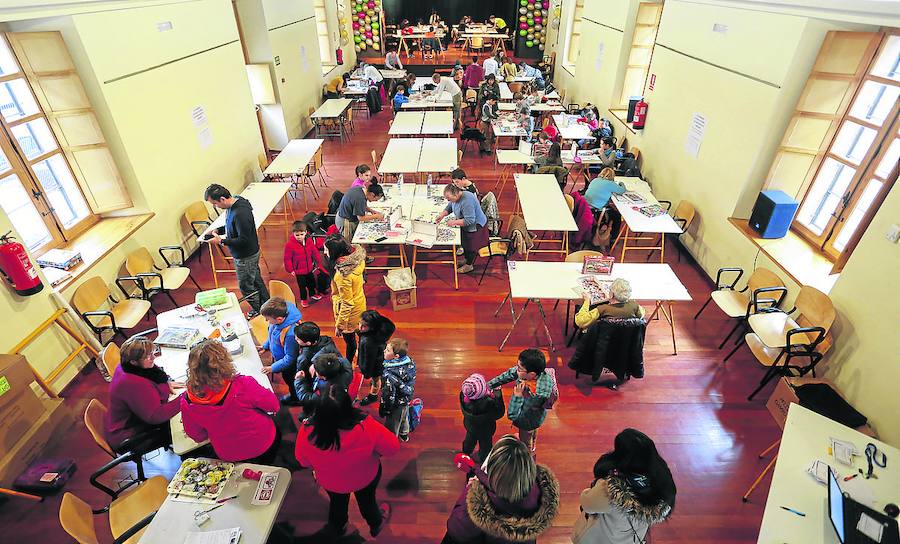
(873, 459)
(200, 513)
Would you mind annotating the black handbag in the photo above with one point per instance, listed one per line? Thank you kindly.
(825, 401)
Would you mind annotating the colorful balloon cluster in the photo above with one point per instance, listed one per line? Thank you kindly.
(366, 25)
(533, 19)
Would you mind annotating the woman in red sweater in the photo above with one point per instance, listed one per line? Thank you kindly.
(230, 409)
(344, 446)
(139, 405)
(303, 260)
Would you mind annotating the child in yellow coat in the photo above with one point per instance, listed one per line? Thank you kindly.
(347, 296)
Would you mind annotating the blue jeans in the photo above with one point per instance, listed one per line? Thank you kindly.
(250, 279)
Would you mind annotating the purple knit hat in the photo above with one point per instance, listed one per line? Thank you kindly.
(474, 387)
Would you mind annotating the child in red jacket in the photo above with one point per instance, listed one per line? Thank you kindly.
(303, 260)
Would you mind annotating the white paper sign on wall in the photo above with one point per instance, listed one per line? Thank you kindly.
(598, 62)
(304, 61)
(695, 134)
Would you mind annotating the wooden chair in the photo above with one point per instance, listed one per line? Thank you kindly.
(684, 216)
(637, 154)
(497, 247)
(375, 159)
(800, 336)
(129, 514)
(196, 217)
(515, 87)
(93, 294)
(259, 328)
(316, 166)
(278, 288)
(152, 279)
(348, 123)
(738, 304)
(476, 43)
(110, 358)
(95, 421)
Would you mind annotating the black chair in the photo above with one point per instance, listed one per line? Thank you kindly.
(613, 344)
(470, 134)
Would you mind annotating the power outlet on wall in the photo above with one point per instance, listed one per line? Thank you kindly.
(893, 234)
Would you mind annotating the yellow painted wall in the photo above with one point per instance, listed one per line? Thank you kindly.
(746, 83)
(146, 116)
(864, 361)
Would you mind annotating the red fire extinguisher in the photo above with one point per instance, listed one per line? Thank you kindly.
(640, 114)
(339, 55)
(17, 268)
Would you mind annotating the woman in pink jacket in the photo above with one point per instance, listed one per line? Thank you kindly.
(344, 446)
(139, 405)
(230, 409)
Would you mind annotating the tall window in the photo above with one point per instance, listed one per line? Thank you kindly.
(326, 47)
(37, 188)
(840, 153)
(861, 157)
(646, 26)
(574, 34)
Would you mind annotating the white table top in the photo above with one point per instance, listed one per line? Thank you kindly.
(505, 93)
(438, 155)
(569, 129)
(333, 107)
(263, 196)
(174, 361)
(401, 156)
(407, 123)
(477, 34)
(175, 519)
(806, 438)
(437, 122)
(508, 126)
(513, 156)
(543, 204)
(636, 221)
(392, 74)
(294, 157)
(417, 202)
(649, 281)
(442, 101)
(542, 107)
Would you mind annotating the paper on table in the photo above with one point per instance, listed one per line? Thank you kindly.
(818, 469)
(870, 527)
(422, 234)
(525, 147)
(223, 536)
(843, 451)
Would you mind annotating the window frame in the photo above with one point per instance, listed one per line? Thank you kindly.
(24, 167)
(575, 24)
(621, 100)
(327, 58)
(864, 171)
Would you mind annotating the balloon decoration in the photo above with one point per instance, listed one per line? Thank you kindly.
(366, 17)
(532, 19)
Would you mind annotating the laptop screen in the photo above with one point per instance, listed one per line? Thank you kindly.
(836, 505)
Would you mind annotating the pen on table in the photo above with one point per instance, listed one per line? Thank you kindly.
(791, 510)
(226, 499)
(848, 478)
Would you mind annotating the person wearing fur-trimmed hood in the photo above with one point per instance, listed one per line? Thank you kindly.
(633, 489)
(511, 499)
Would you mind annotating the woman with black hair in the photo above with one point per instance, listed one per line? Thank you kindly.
(348, 300)
(344, 446)
(632, 490)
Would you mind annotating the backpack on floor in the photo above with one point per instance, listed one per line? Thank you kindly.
(415, 413)
(46, 475)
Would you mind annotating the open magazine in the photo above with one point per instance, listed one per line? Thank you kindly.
(596, 289)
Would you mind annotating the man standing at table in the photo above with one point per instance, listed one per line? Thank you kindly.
(241, 239)
(447, 84)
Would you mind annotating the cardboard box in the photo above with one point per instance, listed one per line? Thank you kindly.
(43, 436)
(17, 418)
(402, 299)
(15, 378)
(783, 395)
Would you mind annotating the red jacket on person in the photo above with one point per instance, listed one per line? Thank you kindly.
(355, 465)
(302, 258)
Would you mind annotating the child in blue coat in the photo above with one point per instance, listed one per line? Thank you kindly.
(398, 387)
(281, 342)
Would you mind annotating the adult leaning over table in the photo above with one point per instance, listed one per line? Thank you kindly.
(232, 410)
(471, 220)
(139, 408)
